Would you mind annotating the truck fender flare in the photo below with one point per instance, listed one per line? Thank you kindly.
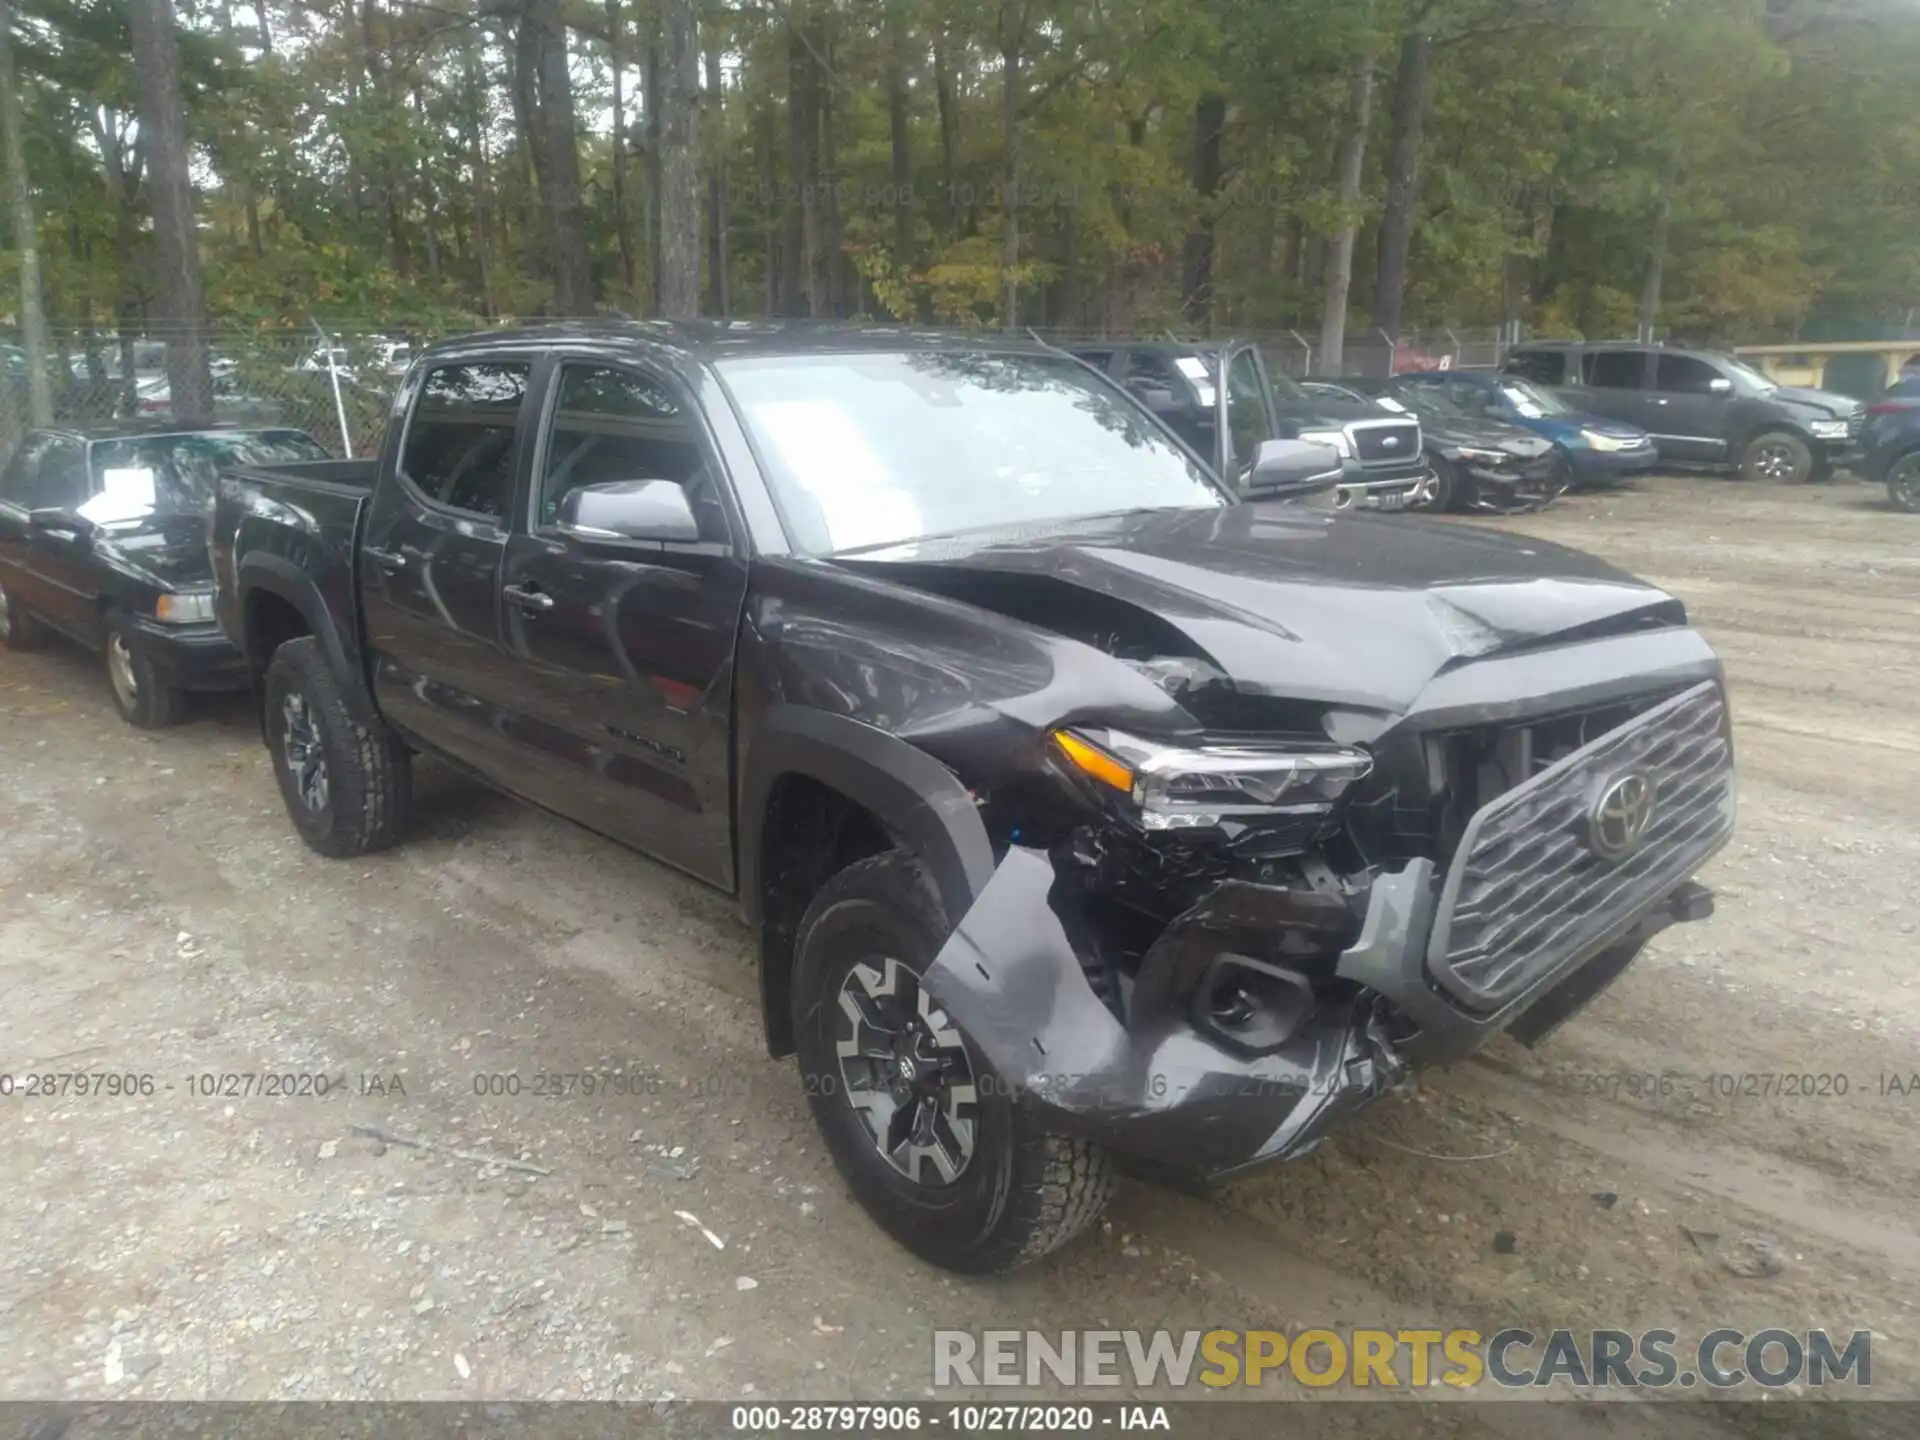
(914, 795)
(282, 578)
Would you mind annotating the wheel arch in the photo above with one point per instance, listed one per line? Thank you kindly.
(820, 790)
(271, 591)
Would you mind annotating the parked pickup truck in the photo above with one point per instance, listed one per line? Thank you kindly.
(1083, 809)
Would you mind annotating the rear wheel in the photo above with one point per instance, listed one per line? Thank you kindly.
(933, 1143)
(143, 698)
(345, 785)
(1903, 483)
(19, 628)
(1777, 455)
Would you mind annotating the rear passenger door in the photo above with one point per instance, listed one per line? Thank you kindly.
(431, 552)
(1616, 384)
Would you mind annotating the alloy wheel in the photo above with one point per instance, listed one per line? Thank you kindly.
(126, 684)
(1775, 461)
(905, 1071)
(305, 759)
(1903, 484)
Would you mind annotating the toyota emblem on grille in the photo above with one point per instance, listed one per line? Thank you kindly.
(1621, 817)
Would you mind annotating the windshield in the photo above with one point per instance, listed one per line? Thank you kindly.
(1425, 400)
(878, 449)
(1530, 400)
(1747, 373)
(1285, 387)
(180, 468)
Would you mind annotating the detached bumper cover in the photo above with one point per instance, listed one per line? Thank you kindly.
(192, 657)
(1527, 926)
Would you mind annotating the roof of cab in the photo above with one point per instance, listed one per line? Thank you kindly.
(708, 340)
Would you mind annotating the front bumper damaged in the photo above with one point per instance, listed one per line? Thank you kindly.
(1164, 1092)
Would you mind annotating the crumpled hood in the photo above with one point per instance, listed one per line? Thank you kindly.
(1350, 609)
(1456, 430)
(1828, 401)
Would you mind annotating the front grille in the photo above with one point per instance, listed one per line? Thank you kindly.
(1385, 442)
(1528, 892)
(1856, 422)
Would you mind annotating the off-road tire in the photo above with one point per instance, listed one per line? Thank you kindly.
(23, 630)
(1025, 1190)
(1754, 462)
(153, 704)
(369, 775)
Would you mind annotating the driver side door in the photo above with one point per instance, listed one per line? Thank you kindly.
(625, 646)
(1246, 417)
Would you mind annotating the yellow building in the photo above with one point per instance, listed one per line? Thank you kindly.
(1852, 367)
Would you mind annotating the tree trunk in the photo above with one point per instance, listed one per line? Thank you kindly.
(830, 259)
(1010, 48)
(949, 132)
(33, 318)
(1196, 284)
(654, 78)
(163, 122)
(680, 168)
(1657, 250)
(541, 57)
(719, 288)
(796, 200)
(482, 177)
(1352, 165)
(622, 223)
(1403, 180)
(766, 143)
(901, 172)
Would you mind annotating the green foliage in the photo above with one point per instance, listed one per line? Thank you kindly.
(371, 167)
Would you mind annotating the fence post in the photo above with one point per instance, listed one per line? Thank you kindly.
(333, 375)
(1393, 353)
(1305, 349)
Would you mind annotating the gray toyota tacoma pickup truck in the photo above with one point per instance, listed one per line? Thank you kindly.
(1086, 810)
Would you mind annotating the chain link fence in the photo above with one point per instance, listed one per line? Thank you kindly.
(281, 376)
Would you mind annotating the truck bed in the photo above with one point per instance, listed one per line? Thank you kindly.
(290, 532)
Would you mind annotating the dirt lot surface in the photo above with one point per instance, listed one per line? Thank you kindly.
(686, 1235)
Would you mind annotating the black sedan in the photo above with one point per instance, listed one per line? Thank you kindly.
(103, 538)
(1483, 464)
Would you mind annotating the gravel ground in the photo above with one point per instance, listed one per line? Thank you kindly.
(680, 1232)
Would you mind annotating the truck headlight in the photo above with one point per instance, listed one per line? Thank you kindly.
(1828, 429)
(1335, 438)
(1606, 444)
(190, 607)
(1484, 457)
(1191, 788)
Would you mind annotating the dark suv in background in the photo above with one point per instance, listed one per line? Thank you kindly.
(1702, 407)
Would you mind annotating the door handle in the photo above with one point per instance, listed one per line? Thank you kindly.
(387, 560)
(529, 598)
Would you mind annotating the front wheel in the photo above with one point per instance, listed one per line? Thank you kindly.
(1447, 488)
(346, 786)
(933, 1143)
(1903, 483)
(144, 700)
(1779, 456)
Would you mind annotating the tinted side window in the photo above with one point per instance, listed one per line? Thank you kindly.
(459, 445)
(63, 481)
(1246, 408)
(613, 425)
(1101, 360)
(22, 475)
(1685, 374)
(1617, 369)
(1543, 367)
(1145, 369)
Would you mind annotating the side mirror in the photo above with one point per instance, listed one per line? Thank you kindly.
(57, 517)
(1719, 385)
(629, 510)
(1283, 469)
